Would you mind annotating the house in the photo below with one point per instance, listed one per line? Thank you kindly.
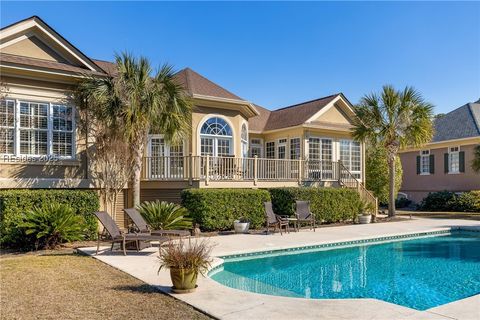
(233, 143)
(445, 162)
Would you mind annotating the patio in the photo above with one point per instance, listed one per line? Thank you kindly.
(227, 303)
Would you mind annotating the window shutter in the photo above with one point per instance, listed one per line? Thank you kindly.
(445, 162)
(432, 164)
(461, 156)
(418, 164)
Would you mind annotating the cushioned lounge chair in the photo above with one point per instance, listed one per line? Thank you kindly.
(304, 214)
(144, 228)
(274, 220)
(119, 236)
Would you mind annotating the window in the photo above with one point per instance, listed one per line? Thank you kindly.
(425, 162)
(270, 150)
(295, 148)
(256, 148)
(42, 129)
(350, 155)
(244, 139)
(216, 137)
(320, 158)
(282, 148)
(454, 160)
(7, 126)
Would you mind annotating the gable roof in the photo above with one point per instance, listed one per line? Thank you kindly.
(197, 84)
(289, 116)
(463, 122)
(33, 26)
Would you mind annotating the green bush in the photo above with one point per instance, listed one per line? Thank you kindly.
(327, 204)
(52, 225)
(165, 215)
(216, 209)
(14, 204)
(450, 201)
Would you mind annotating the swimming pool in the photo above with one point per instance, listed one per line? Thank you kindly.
(419, 273)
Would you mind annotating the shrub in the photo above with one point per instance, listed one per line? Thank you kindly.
(216, 209)
(192, 256)
(449, 201)
(14, 204)
(52, 225)
(402, 202)
(165, 215)
(327, 204)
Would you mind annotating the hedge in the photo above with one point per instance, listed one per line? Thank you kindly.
(327, 204)
(450, 201)
(216, 209)
(14, 203)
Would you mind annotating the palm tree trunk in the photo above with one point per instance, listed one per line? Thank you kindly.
(391, 189)
(137, 153)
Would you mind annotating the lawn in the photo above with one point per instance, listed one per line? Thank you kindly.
(70, 286)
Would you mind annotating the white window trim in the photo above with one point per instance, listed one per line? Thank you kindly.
(259, 145)
(49, 130)
(350, 147)
(274, 149)
(279, 144)
(428, 156)
(215, 149)
(290, 146)
(450, 160)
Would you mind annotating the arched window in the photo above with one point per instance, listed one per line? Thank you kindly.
(244, 138)
(216, 137)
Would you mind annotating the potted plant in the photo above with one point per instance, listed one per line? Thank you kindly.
(365, 213)
(185, 261)
(241, 225)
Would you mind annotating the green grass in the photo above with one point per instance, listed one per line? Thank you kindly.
(70, 286)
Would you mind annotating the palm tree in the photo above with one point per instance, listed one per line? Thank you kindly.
(393, 119)
(137, 102)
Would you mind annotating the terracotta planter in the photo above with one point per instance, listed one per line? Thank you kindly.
(364, 219)
(184, 280)
(241, 227)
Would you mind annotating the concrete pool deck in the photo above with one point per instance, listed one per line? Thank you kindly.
(227, 303)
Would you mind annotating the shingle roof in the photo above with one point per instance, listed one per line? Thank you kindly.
(54, 65)
(259, 122)
(296, 114)
(109, 67)
(463, 122)
(195, 83)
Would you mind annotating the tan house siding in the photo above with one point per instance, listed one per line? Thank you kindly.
(417, 186)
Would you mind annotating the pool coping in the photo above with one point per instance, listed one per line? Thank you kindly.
(223, 302)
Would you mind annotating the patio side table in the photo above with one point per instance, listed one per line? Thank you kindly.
(294, 221)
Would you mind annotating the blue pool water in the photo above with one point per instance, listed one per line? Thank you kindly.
(418, 273)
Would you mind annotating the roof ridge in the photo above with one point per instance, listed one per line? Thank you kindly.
(305, 102)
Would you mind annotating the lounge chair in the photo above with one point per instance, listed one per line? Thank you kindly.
(304, 214)
(274, 220)
(143, 227)
(118, 235)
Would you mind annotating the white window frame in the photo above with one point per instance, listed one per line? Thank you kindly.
(274, 149)
(49, 130)
(244, 141)
(167, 146)
(214, 137)
(256, 145)
(451, 154)
(425, 154)
(349, 162)
(290, 147)
(282, 142)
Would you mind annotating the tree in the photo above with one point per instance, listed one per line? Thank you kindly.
(140, 103)
(376, 171)
(393, 119)
(476, 159)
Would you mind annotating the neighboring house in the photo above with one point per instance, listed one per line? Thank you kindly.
(445, 162)
(233, 143)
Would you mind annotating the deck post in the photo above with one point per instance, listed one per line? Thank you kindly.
(190, 169)
(300, 171)
(255, 170)
(207, 170)
(339, 172)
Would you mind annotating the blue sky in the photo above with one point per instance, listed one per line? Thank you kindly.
(281, 53)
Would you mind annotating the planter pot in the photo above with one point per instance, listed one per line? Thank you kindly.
(184, 280)
(241, 227)
(364, 219)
